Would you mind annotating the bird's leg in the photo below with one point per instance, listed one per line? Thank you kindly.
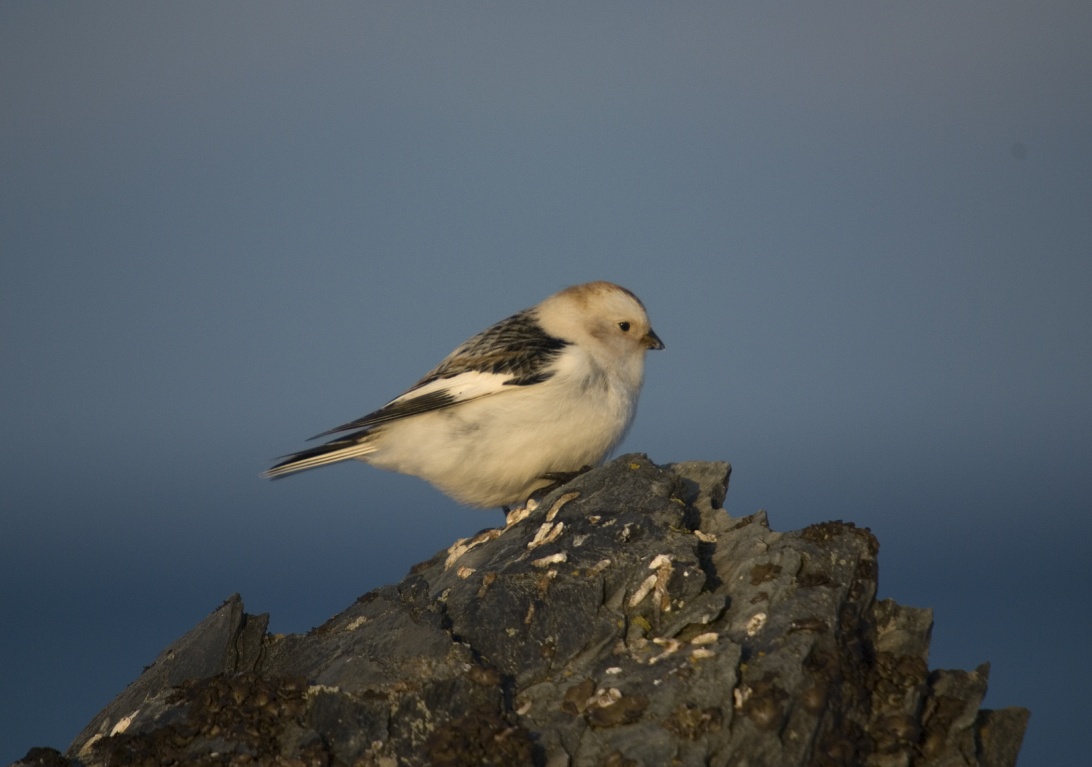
(559, 478)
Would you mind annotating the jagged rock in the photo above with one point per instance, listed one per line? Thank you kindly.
(627, 620)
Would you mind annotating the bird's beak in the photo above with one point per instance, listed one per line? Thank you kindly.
(652, 341)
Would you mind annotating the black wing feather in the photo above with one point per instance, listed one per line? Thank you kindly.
(517, 346)
(328, 447)
(436, 400)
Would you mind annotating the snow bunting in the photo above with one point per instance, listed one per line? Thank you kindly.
(545, 393)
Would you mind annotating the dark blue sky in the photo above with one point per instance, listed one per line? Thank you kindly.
(864, 231)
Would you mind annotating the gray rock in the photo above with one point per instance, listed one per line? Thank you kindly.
(626, 620)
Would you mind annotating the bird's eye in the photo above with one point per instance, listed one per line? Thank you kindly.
(624, 326)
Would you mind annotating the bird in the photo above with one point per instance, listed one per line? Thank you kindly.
(536, 398)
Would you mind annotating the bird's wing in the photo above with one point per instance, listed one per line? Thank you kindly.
(514, 352)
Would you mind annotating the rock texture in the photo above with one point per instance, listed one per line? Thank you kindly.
(627, 620)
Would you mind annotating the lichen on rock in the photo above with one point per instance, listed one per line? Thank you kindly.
(624, 619)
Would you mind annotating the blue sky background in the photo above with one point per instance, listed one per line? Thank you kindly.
(864, 231)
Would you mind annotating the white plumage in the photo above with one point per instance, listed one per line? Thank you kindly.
(544, 393)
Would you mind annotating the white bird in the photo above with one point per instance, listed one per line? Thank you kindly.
(541, 395)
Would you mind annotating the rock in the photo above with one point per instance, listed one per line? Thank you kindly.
(625, 620)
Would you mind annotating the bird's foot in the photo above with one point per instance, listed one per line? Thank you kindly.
(559, 478)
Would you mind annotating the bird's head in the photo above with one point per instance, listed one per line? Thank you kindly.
(603, 317)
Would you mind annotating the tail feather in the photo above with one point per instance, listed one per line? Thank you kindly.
(332, 452)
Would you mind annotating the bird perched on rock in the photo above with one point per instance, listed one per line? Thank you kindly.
(543, 394)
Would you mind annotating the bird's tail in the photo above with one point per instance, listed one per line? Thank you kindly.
(352, 446)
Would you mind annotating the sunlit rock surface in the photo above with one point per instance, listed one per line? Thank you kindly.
(627, 619)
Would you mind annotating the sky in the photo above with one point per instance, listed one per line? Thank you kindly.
(863, 230)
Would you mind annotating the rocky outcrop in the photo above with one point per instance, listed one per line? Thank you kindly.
(625, 620)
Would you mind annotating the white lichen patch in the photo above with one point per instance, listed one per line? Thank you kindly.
(613, 670)
(86, 747)
(740, 696)
(604, 696)
(671, 646)
(123, 723)
(465, 572)
(659, 561)
(643, 590)
(705, 537)
(546, 534)
(559, 503)
(657, 583)
(553, 559)
(464, 545)
(579, 540)
(315, 689)
(755, 624)
(516, 515)
(520, 513)
(700, 653)
(710, 637)
(599, 567)
(356, 623)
